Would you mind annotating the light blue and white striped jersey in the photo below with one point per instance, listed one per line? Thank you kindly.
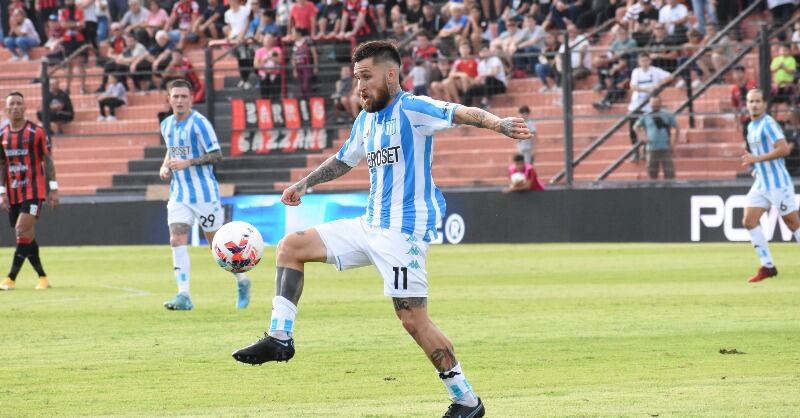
(398, 145)
(191, 138)
(762, 134)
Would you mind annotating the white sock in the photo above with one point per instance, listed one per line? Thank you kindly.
(282, 322)
(458, 387)
(797, 235)
(760, 244)
(240, 277)
(180, 262)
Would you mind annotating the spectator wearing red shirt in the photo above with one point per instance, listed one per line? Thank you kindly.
(180, 67)
(741, 85)
(424, 48)
(71, 19)
(181, 21)
(462, 75)
(303, 15)
(531, 181)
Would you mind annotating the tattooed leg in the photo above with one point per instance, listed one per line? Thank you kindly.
(413, 313)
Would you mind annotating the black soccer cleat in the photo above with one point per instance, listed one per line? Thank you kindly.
(456, 410)
(266, 349)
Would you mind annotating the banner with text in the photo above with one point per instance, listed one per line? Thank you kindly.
(262, 126)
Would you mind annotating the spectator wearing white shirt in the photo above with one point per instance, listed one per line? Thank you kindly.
(579, 54)
(491, 78)
(23, 36)
(674, 15)
(644, 80)
(782, 11)
(237, 20)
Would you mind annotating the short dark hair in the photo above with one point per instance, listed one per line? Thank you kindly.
(15, 93)
(179, 82)
(739, 68)
(524, 109)
(519, 158)
(379, 51)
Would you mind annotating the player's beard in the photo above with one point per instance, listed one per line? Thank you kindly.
(379, 101)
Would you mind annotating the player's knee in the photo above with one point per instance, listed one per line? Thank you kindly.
(749, 223)
(178, 240)
(288, 249)
(413, 322)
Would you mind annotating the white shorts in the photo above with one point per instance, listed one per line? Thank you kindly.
(399, 258)
(209, 215)
(781, 199)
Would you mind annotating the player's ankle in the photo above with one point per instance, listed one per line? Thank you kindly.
(280, 335)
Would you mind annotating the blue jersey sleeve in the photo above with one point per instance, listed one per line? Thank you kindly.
(206, 135)
(353, 149)
(428, 115)
(773, 131)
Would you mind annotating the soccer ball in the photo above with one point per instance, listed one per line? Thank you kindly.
(517, 178)
(237, 246)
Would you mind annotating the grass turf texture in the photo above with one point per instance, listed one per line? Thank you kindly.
(542, 330)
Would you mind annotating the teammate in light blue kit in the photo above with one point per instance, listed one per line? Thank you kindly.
(394, 133)
(192, 151)
(773, 186)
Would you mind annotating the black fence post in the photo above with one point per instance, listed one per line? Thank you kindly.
(209, 76)
(764, 74)
(566, 102)
(45, 79)
(690, 93)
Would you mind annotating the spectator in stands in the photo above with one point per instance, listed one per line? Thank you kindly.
(71, 19)
(477, 29)
(330, 21)
(721, 50)
(508, 38)
(211, 21)
(645, 79)
(102, 19)
(181, 22)
(674, 16)
(55, 40)
(782, 11)
(115, 63)
(529, 180)
(513, 10)
(269, 62)
(437, 76)
(157, 19)
(526, 147)
(701, 67)
(44, 9)
(795, 44)
(462, 75)
(135, 56)
(117, 9)
(526, 52)
(580, 55)
(662, 50)
(491, 78)
(135, 21)
(359, 22)
(643, 30)
(741, 85)
(180, 67)
(90, 22)
(268, 25)
(23, 36)
(659, 138)
(419, 77)
(237, 19)
(446, 38)
(599, 12)
(638, 12)
(60, 109)
(304, 61)
(303, 15)
(341, 95)
(160, 54)
(114, 97)
(561, 13)
(423, 48)
(783, 68)
(546, 67)
(617, 60)
(413, 13)
(431, 21)
(700, 8)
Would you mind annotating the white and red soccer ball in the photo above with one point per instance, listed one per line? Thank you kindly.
(237, 246)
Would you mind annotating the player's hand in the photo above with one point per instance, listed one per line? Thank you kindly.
(4, 202)
(52, 198)
(513, 128)
(165, 173)
(749, 159)
(292, 194)
(176, 164)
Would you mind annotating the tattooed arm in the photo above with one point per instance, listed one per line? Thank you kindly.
(209, 158)
(331, 169)
(510, 127)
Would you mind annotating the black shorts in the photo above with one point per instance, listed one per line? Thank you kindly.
(31, 207)
(73, 45)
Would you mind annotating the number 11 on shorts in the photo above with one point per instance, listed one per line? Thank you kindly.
(397, 271)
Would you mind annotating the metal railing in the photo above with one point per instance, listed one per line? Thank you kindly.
(708, 46)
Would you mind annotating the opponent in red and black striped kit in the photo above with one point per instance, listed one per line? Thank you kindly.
(28, 179)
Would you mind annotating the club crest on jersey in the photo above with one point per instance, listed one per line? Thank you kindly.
(383, 156)
(390, 127)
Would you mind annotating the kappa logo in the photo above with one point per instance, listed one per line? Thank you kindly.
(414, 265)
(414, 250)
(411, 238)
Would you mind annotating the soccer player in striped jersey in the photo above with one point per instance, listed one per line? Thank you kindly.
(192, 152)
(394, 133)
(773, 186)
(27, 172)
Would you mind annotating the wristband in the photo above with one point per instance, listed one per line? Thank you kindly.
(53, 185)
(2, 189)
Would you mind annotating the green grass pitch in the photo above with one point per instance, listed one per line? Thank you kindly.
(541, 330)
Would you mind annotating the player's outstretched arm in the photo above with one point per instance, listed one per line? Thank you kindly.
(332, 168)
(510, 127)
